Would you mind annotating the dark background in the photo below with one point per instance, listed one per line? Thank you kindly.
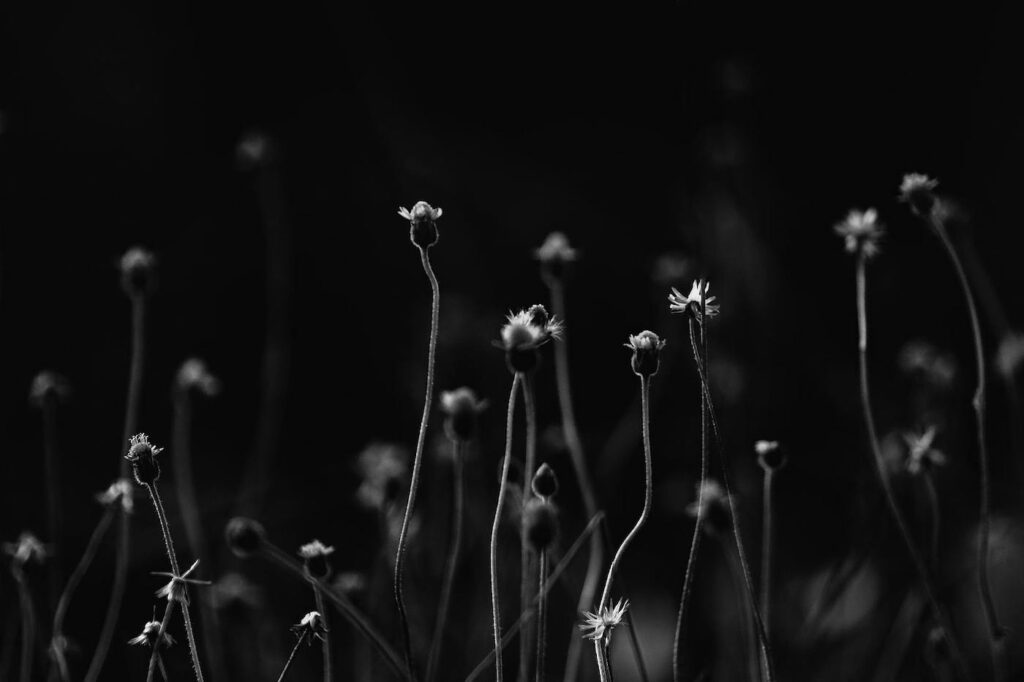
(735, 139)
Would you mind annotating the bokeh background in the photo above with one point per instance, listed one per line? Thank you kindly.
(667, 143)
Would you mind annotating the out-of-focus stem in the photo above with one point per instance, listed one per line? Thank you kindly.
(935, 512)
(766, 553)
(28, 624)
(526, 639)
(154, 656)
(495, 605)
(542, 616)
(325, 643)
(458, 493)
(53, 497)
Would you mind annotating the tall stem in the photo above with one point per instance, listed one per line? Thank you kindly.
(883, 478)
(325, 642)
(995, 630)
(579, 463)
(542, 615)
(131, 418)
(766, 553)
(495, 606)
(526, 639)
(451, 565)
(417, 461)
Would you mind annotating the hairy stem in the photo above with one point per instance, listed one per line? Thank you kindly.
(28, 623)
(495, 606)
(451, 565)
(766, 553)
(154, 656)
(542, 616)
(417, 462)
(288, 663)
(325, 643)
(526, 639)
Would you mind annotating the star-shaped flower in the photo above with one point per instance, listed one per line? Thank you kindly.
(921, 455)
(599, 626)
(691, 303)
(175, 590)
(861, 232)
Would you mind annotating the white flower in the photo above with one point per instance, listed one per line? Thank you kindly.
(175, 590)
(311, 625)
(600, 626)
(861, 232)
(150, 632)
(691, 303)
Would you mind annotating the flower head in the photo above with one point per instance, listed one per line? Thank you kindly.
(175, 590)
(142, 455)
(150, 633)
(461, 409)
(311, 625)
(545, 482)
(384, 468)
(599, 626)
(138, 266)
(48, 385)
(921, 455)
(193, 375)
(422, 228)
(119, 492)
(918, 190)
(27, 548)
(646, 347)
(770, 455)
(712, 506)
(524, 332)
(554, 255)
(244, 536)
(861, 232)
(1010, 355)
(315, 554)
(691, 303)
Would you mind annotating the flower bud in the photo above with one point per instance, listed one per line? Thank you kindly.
(646, 347)
(138, 268)
(770, 455)
(422, 226)
(461, 408)
(541, 523)
(919, 191)
(244, 536)
(314, 555)
(555, 256)
(545, 483)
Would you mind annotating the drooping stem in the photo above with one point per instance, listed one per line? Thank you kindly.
(325, 641)
(131, 417)
(579, 463)
(526, 639)
(542, 616)
(417, 461)
(154, 656)
(995, 630)
(459, 493)
(57, 645)
(495, 606)
(28, 623)
(890, 498)
(766, 553)
(288, 663)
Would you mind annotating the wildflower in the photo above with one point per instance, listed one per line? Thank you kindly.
(315, 554)
(253, 150)
(545, 483)
(311, 625)
(27, 548)
(523, 333)
(461, 409)
(137, 269)
(119, 492)
(918, 191)
(600, 626)
(861, 232)
(921, 455)
(175, 590)
(691, 304)
(770, 455)
(150, 632)
(646, 347)
(48, 385)
(142, 455)
(541, 519)
(422, 228)
(712, 506)
(244, 536)
(922, 360)
(193, 374)
(383, 467)
(555, 255)
(1010, 355)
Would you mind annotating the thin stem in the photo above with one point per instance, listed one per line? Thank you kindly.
(451, 565)
(28, 623)
(165, 529)
(766, 553)
(417, 461)
(325, 643)
(69, 589)
(645, 385)
(154, 656)
(526, 640)
(345, 607)
(995, 630)
(495, 606)
(53, 496)
(288, 663)
(131, 417)
(634, 640)
(579, 463)
(188, 502)
(542, 616)
(933, 507)
(890, 498)
(526, 615)
(766, 650)
(748, 631)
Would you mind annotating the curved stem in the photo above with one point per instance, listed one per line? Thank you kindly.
(526, 639)
(579, 463)
(154, 656)
(69, 589)
(417, 461)
(890, 498)
(995, 630)
(495, 606)
(766, 553)
(542, 616)
(288, 663)
(452, 563)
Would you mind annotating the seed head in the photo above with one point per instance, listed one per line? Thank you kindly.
(545, 483)
(138, 267)
(150, 633)
(120, 492)
(523, 333)
(599, 626)
(315, 554)
(193, 375)
(921, 455)
(383, 468)
(555, 255)
(770, 455)
(422, 228)
(541, 523)
(48, 385)
(27, 548)
(461, 409)
(244, 536)
(142, 455)
(861, 232)
(646, 347)
(691, 303)
(918, 190)
(311, 626)
(176, 590)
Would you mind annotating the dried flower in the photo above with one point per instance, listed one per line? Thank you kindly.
(861, 232)
(175, 590)
(921, 455)
(119, 492)
(646, 347)
(27, 548)
(600, 626)
(422, 228)
(244, 536)
(1010, 355)
(541, 523)
(691, 304)
(194, 375)
(770, 455)
(311, 625)
(150, 632)
(383, 468)
(142, 455)
(555, 255)
(48, 385)
(919, 191)
(315, 554)
(545, 482)
(523, 333)
(461, 409)
(138, 266)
